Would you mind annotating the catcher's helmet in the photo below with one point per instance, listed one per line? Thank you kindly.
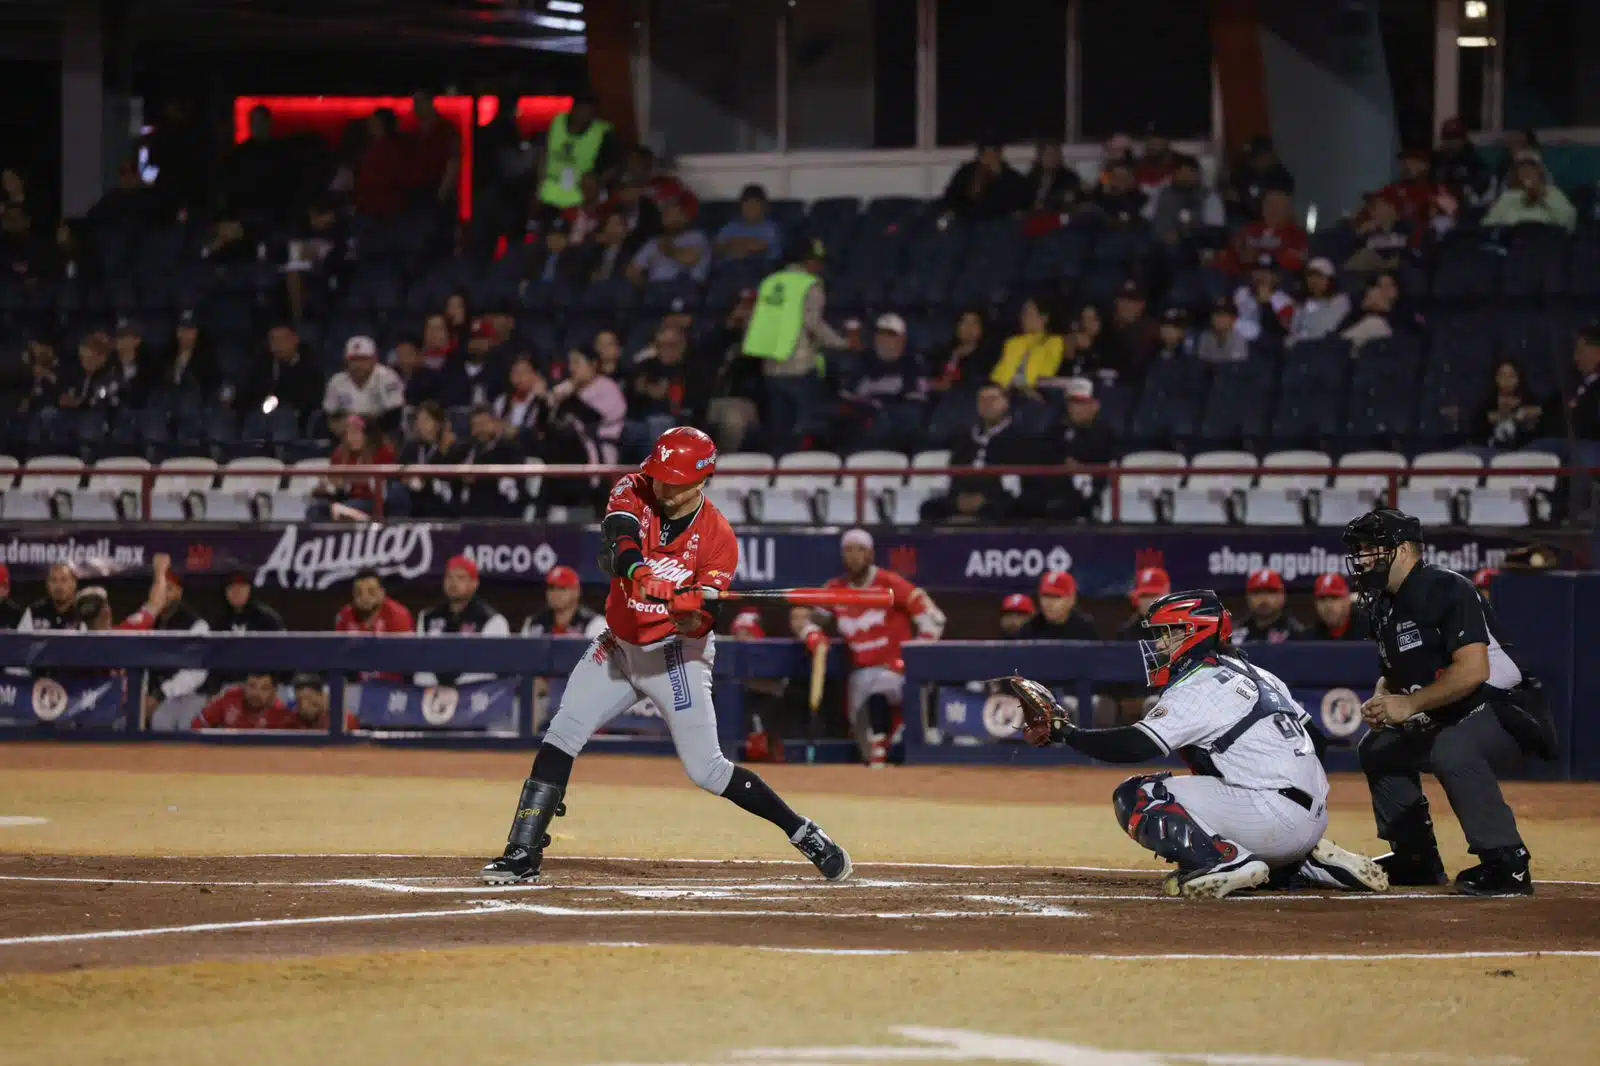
(682, 456)
(1184, 627)
(1370, 542)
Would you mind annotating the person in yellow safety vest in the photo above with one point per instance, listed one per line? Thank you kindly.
(578, 143)
(787, 330)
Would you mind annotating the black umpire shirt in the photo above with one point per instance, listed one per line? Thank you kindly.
(1078, 626)
(1435, 613)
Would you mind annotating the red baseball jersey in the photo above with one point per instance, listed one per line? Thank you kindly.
(139, 621)
(392, 617)
(875, 634)
(705, 554)
(228, 711)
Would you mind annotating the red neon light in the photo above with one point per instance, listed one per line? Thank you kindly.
(326, 116)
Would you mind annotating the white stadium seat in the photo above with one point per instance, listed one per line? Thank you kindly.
(1277, 499)
(31, 499)
(113, 491)
(880, 489)
(1429, 496)
(245, 491)
(799, 498)
(1145, 497)
(180, 497)
(1203, 499)
(921, 487)
(1359, 484)
(1506, 499)
(289, 503)
(738, 475)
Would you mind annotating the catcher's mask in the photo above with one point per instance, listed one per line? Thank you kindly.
(1370, 543)
(1184, 627)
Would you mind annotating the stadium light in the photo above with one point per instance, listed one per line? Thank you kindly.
(1473, 9)
(1475, 42)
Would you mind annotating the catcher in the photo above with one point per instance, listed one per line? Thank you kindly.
(1256, 805)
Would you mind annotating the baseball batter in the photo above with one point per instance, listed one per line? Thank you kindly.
(1256, 806)
(874, 636)
(665, 547)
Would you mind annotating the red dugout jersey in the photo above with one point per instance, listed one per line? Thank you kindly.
(703, 555)
(875, 634)
(392, 617)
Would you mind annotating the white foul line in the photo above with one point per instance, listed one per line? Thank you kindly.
(1347, 957)
(254, 923)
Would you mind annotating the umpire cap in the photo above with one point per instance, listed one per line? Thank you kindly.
(1383, 527)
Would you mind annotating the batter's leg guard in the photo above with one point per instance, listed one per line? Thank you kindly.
(539, 804)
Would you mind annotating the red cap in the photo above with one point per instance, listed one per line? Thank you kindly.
(1265, 581)
(682, 455)
(1485, 577)
(462, 563)
(5, 576)
(483, 329)
(747, 623)
(1058, 583)
(1017, 603)
(1329, 585)
(1151, 581)
(562, 577)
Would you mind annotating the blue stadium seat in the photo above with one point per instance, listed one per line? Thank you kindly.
(1056, 256)
(1466, 270)
(1536, 262)
(1584, 277)
(661, 296)
(1239, 406)
(714, 214)
(1170, 407)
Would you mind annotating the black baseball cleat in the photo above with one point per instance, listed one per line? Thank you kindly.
(1413, 869)
(828, 857)
(1503, 872)
(517, 866)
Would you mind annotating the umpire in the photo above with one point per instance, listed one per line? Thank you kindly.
(1451, 700)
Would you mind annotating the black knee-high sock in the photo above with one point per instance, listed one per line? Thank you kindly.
(880, 714)
(752, 794)
(552, 766)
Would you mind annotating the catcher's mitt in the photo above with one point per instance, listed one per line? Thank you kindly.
(1043, 722)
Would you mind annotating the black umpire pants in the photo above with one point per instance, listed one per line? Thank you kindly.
(1466, 756)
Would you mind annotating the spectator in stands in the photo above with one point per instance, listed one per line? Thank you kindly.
(990, 442)
(41, 388)
(1514, 143)
(421, 383)
(1375, 318)
(1277, 235)
(608, 353)
(438, 346)
(477, 376)
(1324, 306)
(464, 613)
(1085, 348)
(1175, 341)
(588, 411)
(1509, 421)
(340, 496)
(1583, 410)
(192, 370)
(366, 388)
(311, 704)
(521, 409)
(173, 697)
(10, 613)
(564, 614)
(73, 259)
(318, 250)
(458, 318)
(373, 612)
(1051, 187)
(1149, 585)
(648, 185)
(1119, 197)
(883, 402)
(1383, 235)
(752, 235)
(57, 608)
(1058, 617)
(659, 388)
(1134, 336)
(679, 254)
(431, 442)
(487, 444)
(970, 357)
(1034, 353)
(1265, 310)
(984, 187)
(608, 256)
(134, 381)
(1184, 208)
(583, 220)
(435, 150)
(1458, 167)
(1415, 196)
(383, 172)
(1080, 441)
(1156, 164)
(1015, 610)
(13, 188)
(1336, 617)
(1267, 622)
(1530, 198)
(577, 143)
(1223, 343)
(787, 332)
(253, 172)
(244, 613)
(94, 385)
(1261, 174)
(19, 247)
(1118, 148)
(127, 202)
(290, 377)
(251, 705)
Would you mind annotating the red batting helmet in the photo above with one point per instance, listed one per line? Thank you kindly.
(682, 456)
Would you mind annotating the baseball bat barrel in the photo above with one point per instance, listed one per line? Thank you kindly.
(842, 597)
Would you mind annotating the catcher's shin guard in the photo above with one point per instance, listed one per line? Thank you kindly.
(538, 805)
(1158, 822)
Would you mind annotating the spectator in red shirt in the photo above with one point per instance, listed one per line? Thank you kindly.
(372, 612)
(357, 447)
(1156, 165)
(435, 154)
(382, 173)
(646, 182)
(1277, 235)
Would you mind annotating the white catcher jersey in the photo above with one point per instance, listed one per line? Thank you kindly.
(1272, 753)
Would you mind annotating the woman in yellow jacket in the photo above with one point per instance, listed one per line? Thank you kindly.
(1032, 355)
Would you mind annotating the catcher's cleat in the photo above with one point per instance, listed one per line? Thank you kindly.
(1215, 882)
(828, 857)
(1330, 866)
(518, 865)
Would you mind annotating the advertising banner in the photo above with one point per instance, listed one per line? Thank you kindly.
(480, 705)
(66, 702)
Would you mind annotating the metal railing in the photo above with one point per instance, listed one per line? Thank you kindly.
(1245, 476)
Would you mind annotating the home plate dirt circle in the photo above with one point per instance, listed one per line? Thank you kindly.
(60, 912)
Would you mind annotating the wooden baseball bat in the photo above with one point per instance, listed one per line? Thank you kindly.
(844, 597)
(819, 677)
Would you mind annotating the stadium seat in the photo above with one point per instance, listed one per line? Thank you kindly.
(1213, 499)
(8, 477)
(921, 487)
(879, 489)
(1433, 498)
(245, 490)
(39, 497)
(802, 498)
(1279, 499)
(113, 491)
(533, 485)
(290, 502)
(739, 474)
(1147, 498)
(1355, 490)
(1513, 499)
(181, 497)
(1536, 263)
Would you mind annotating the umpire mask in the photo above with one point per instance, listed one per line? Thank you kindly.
(1371, 542)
